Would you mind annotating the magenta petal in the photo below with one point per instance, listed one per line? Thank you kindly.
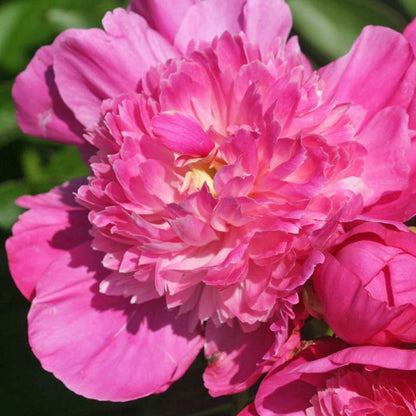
(265, 21)
(249, 410)
(385, 357)
(234, 357)
(356, 76)
(165, 16)
(182, 135)
(40, 109)
(100, 346)
(88, 62)
(386, 167)
(55, 223)
(353, 300)
(207, 19)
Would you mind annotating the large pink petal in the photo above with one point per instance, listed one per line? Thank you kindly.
(234, 357)
(54, 224)
(386, 166)
(356, 77)
(352, 300)
(265, 21)
(284, 391)
(385, 357)
(207, 19)
(40, 109)
(92, 65)
(165, 16)
(100, 346)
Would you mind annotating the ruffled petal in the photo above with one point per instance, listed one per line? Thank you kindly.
(54, 224)
(40, 110)
(165, 16)
(234, 357)
(356, 77)
(100, 346)
(88, 62)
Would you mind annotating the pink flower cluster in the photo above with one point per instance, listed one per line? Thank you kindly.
(234, 193)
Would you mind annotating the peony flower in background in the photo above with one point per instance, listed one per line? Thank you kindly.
(222, 167)
(372, 272)
(330, 378)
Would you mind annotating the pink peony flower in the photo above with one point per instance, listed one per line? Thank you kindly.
(330, 378)
(220, 162)
(370, 273)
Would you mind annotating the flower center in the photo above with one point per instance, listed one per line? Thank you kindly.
(198, 175)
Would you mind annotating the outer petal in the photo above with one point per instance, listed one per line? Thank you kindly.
(92, 65)
(101, 346)
(265, 21)
(385, 357)
(40, 109)
(165, 16)
(352, 300)
(284, 391)
(234, 357)
(55, 223)
(262, 21)
(207, 19)
(356, 77)
(386, 167)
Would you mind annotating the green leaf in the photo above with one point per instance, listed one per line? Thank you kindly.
(8, 125)
(328, 28)
(9, 211)
(409, 6)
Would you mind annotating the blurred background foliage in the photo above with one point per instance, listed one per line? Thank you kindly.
(326, 29)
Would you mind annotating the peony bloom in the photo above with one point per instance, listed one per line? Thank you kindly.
(370, 273)
(330, 379)
(220, 163)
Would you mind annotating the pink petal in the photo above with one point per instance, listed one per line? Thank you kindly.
(265, 21)
(386, 357)
(386, 167)
(102, 346)
(181, 134)
(234, 357)
(54, 224)
(353, 300)
(249, 410)
(165, 16)
(88, 62)
(40, 109)
(207, 19)
(356, 77)
(284, 392)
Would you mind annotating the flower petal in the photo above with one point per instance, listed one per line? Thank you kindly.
(207, 19)
(181, 134)
(54, 224)
(165, 16)
(356, 77)
(102, 346)
(234, 357)
(87, 62)
(265, 21)
(40, 109)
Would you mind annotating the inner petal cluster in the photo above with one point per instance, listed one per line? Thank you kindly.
(209, 181)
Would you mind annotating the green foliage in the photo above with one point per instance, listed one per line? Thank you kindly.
(326, 29)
